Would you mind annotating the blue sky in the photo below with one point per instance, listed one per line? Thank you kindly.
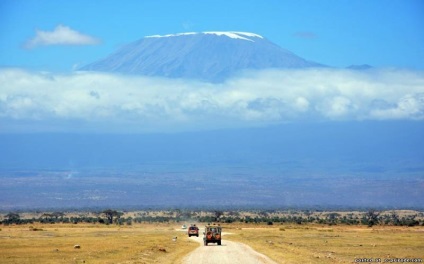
(335, 33)
(43, 42)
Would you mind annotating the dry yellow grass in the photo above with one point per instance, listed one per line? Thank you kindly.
(336, 244)
(141, 243)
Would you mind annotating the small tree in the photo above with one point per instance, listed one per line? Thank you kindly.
(110, 214)
(56, 215)
(395, 218)
(12, 218)
(372, 217)
(218, 215)
(332, 218)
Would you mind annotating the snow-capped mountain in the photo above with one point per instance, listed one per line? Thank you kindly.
(208, 56)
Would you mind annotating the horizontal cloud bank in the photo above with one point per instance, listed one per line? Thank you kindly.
(87, 101)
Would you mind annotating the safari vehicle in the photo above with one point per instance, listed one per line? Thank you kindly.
(212, 234)
(193, 230)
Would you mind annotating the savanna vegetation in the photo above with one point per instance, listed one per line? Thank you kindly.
(109, 216)
(289, 236)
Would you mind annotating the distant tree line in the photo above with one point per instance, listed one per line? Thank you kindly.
(109, 216)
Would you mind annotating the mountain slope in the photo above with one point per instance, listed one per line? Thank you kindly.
(208, 56)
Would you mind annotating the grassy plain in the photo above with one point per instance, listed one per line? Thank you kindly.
(331, 244)
(54, 243)
(152, 243)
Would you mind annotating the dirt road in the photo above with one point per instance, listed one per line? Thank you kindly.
(229, 252)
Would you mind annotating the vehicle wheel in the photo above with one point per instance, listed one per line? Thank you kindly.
(197, 235)
(219, 243)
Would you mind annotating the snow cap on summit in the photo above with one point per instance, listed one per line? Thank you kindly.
(230, 34)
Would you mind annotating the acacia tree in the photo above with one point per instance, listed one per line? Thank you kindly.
(56, 215)
(332, 218)
(395, 218)
(12, 218)
(110, 214)
(218, 215)
(372, 217)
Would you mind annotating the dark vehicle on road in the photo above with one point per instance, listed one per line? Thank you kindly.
(212, 234)
(193, 231)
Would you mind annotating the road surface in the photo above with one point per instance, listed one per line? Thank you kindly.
(229, 252)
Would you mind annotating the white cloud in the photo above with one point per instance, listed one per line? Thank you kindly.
(109, 102)
(337, 106)
(411, 106)
(61, 35)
